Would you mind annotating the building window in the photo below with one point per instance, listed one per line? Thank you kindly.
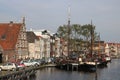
(3, 37)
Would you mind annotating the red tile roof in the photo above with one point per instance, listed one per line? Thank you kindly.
(9, 35)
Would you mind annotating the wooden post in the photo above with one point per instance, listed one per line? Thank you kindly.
(96, 70)
(67, 67)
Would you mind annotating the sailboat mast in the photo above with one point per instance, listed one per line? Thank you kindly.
(92, 39)
(68, 30)
(99, 44)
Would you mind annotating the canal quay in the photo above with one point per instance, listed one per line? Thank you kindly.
(23, 73)
(49, 72)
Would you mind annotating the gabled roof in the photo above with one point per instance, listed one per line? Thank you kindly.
(31, 37)
(9, 35)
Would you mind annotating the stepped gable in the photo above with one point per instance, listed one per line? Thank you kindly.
(9, 34)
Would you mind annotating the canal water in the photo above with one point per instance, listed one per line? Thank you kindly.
(111, 72)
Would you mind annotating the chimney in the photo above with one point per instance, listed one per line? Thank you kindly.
(11, 23)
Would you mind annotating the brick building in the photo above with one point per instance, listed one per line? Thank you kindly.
(13, 41)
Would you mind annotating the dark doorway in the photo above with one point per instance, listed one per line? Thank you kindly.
(0, 57)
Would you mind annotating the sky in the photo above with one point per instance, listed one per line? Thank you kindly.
(50, 14)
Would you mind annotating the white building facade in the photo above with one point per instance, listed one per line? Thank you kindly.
(33, 45)
(44, 41)
(58, 47)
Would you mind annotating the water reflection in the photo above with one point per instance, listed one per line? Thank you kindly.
(55, 74)
(109, 73)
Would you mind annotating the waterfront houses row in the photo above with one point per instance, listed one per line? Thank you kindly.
(16, 43)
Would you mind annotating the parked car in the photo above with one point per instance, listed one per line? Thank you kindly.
(26, 63)
(21, 65)
(34, 62)
(50, 60)
(30, 62)
(47, 60)
(9, 66)
(39, 61)
(43, 61)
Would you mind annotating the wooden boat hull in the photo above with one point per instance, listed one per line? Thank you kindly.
(88, 67)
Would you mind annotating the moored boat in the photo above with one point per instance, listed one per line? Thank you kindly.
(108, 59)
(88, 66)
